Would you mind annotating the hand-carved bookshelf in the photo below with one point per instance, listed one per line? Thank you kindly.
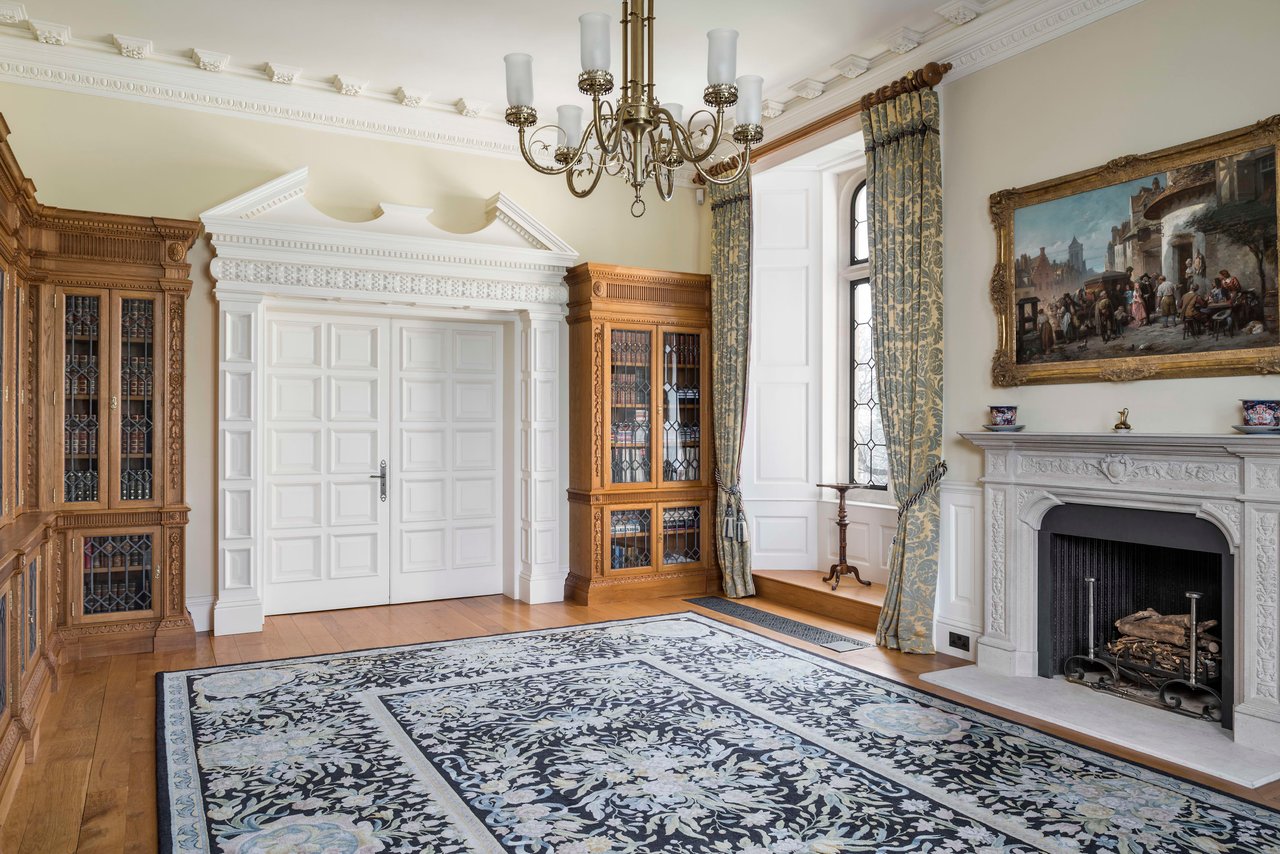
(92, 492)
(640, 471)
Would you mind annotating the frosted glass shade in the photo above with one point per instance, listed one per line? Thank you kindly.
(676, 111)
(722, 56)
(519, 79)
(750, 99)
(569, 125)
(595, 41)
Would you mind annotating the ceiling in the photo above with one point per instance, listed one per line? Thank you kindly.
(452, 49)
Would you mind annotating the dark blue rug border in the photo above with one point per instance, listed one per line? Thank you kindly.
(162, 775)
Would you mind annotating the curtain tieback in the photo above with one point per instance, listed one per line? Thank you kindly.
(735, 519)
(931, 480)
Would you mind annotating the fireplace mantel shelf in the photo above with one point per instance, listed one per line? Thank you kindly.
(1230, 480)
(1232, 443)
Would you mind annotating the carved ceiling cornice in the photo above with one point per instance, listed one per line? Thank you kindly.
(971, 34)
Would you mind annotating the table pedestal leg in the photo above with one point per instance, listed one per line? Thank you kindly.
(843, 568)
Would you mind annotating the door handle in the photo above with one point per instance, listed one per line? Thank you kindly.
(382, 476)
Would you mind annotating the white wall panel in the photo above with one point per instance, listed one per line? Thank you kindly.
(780, 459)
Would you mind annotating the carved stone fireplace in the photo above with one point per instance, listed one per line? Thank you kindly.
(1226, 489)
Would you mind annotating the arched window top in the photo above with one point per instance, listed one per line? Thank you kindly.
(859, 251)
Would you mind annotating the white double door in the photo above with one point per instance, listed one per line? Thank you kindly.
(383, 461)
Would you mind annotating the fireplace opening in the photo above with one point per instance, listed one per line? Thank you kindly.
(1115, 611)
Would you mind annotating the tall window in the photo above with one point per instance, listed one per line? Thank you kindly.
(868, 458)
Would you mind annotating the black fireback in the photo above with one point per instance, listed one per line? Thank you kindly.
(1141, 559)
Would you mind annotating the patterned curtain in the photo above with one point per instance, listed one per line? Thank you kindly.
(904, 200)
(730, 339)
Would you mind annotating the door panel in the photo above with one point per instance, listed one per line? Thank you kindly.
(327, 434)
(447, 533)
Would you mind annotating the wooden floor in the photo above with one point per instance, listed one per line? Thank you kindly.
(92, 787)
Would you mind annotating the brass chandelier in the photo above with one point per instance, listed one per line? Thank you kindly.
(638, 137)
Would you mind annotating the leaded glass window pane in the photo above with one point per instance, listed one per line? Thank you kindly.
(117, 573)
(869, 459)
(859, 248)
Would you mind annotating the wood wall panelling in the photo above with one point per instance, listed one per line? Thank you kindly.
(127, 262)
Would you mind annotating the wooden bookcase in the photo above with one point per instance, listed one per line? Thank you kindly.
(641, 510)
(92, 489)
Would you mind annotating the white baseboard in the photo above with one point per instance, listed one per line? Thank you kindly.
(237, 617)
(543, 588)
(201, 609)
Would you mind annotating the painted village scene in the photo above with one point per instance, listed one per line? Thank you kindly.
(1179, 262)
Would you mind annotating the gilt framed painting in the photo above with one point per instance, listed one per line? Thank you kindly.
(1154, 265)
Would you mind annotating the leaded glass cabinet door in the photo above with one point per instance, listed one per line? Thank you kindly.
(630, 537)
(31, 611)
(630, 419)
(682, 538)
(682, 366)
(135, 400)
(85, 387)
(118, 573)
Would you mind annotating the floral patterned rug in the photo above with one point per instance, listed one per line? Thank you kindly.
(665, 735)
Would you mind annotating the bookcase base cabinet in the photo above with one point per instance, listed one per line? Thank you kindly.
(122, 576)
(641, 501)
(676, 563)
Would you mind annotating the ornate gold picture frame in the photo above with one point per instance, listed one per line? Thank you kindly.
(1154, 265)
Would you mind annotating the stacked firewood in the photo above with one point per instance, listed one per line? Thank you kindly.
(1162, 641)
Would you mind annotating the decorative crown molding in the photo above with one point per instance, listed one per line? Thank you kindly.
(773, 109)
(277, 73)
(50, 33)
(903, 40)
(1003, 29)
(132, 47)
(410, 98)
(12, 13)
(960, 12)
(470, 107)
(210, 60)
(808, 88)
(176, 77)
(851, 66)
(347, 86)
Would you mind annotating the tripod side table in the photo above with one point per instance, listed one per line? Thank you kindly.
(842, 568)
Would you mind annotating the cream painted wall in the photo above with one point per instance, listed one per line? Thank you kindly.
(106, 154)
(1158, 74)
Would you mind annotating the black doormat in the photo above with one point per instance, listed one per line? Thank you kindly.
(787, 626)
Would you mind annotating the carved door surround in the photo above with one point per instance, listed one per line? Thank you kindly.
(1231, 481)
(274, 250)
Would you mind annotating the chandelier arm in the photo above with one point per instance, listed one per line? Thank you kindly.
(664, 193)
(601, 116)
(689, 149)
(538, 167)
(597, 170)
(744, 162)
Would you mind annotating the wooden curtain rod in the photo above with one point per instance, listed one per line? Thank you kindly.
(912, 81)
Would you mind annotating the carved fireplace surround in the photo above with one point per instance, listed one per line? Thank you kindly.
(1231, 481)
